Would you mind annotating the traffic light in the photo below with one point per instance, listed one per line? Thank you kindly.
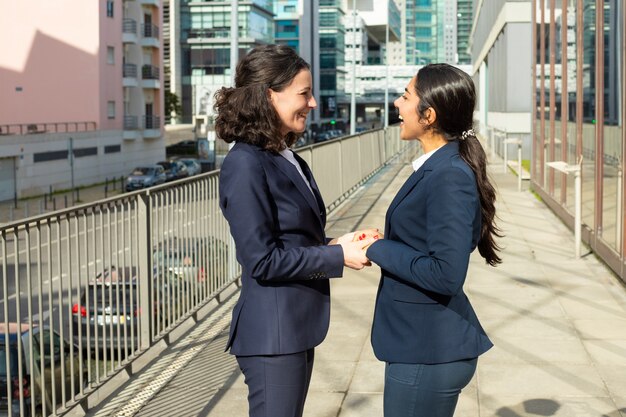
(332, 122)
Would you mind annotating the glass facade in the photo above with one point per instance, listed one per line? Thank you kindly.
(332, 55)
(287, 24)
(205, 44)
(465, 17)
(428, 36)
(579, 96)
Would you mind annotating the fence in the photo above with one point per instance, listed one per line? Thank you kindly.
(87, 289)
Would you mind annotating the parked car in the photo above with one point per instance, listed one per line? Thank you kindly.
(174, 170)
(109, 311)
(322, 137)
(145, 176)
(184, 147)
(54, 355)
(187, 258)
(193, 166)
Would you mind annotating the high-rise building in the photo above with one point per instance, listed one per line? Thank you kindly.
(421, 31)
(464, 18)
(437, 31)
(296, 24)
(332, 56)
(205, 49)
(81, 96)
(367, 33)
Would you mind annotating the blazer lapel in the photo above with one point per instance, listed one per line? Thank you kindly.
(292, 173)
(408, 185)
(444, 152)
(314, 187)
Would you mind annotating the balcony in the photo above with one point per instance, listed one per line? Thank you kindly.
(150, 77)
(150, 35)
(129, 72)
(129, 31)
(131, 127)
(152, 126)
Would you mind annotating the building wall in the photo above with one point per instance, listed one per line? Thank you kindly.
(50, 55)
(500, 46)
(62, 62)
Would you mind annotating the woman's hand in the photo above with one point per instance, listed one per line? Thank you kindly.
(365, 233)
(354, 253)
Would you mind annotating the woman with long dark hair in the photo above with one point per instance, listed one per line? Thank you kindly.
(276, 217)
(424, 326)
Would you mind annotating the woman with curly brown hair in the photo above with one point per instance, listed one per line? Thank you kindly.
(276, 217)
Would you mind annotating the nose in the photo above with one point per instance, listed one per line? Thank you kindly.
(395, 102)
(312, 103)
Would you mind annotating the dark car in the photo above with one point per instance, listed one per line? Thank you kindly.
(145, 176)
(61, 368)
(109, 313)
(184, 147)
(174, 170)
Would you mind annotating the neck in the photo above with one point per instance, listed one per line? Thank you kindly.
(432, 142)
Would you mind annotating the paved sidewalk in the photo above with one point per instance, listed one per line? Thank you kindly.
(558, 324)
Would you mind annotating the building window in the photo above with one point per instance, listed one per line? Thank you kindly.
(112, 149)
(109, 8)
(290, 9)
(110, 55)
(111, 109)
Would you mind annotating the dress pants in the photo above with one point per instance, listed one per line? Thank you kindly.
(277, 384)
(418, 390)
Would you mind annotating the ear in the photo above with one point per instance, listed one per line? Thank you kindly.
(431, 115)
(271, 94)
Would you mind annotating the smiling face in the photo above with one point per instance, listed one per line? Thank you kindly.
(294, 103)
(411, 125)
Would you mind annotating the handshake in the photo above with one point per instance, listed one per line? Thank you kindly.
(354, 245)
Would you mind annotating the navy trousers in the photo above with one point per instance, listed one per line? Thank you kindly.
(417, 390)
(278, 384)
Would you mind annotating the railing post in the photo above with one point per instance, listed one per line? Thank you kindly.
(144, 249)
(578, 211)
(519, 166)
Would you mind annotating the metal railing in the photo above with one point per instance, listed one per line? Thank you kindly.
(150, 72)
(131, 123)
(149, 30)
(34, 128)
(151, 121)
(129, 70)
(86, 289)
(129, 26)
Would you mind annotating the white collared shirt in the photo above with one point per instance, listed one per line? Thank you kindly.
(288, 155)
(417, 164)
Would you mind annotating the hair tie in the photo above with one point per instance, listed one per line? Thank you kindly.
(467, 133)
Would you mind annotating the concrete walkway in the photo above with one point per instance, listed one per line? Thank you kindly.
(558, 325)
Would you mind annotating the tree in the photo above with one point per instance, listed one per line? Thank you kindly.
(172, 105)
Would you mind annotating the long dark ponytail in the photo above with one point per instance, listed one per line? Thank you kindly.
(450, 92)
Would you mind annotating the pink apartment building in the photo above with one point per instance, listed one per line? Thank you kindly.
(85, 73)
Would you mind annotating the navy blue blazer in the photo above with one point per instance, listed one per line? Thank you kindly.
(433, 224)
(278, 228)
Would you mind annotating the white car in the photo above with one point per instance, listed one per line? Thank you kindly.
(193, 166)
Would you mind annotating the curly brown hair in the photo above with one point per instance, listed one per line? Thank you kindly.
(245, 113)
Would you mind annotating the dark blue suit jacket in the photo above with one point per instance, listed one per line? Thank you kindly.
(278, 228)
(433, 224)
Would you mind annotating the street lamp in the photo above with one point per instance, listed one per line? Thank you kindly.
(386, 124)
(353, 96)
(234, 39)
